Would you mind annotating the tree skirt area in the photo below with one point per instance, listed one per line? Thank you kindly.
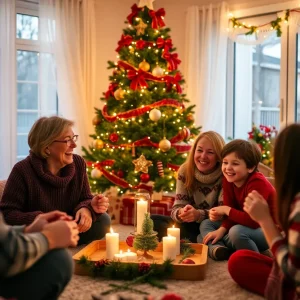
(217, 284)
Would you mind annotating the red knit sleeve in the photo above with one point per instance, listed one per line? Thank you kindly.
(228, 199)
(262, 186)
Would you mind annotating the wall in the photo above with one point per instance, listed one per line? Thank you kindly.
(110, 22)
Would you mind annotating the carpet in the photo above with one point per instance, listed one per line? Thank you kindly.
(217, 284)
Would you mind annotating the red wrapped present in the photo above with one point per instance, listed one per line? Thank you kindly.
(127, 210)
(162, 207)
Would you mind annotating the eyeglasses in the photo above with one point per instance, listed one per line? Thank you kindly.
(69, 141)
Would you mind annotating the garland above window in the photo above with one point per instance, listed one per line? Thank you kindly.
(275, 25)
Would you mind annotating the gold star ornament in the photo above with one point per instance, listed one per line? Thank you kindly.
(140, 28)
(142, 164)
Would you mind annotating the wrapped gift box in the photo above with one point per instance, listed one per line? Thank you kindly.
(162, 207)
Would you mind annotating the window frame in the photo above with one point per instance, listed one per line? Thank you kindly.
(287, 68)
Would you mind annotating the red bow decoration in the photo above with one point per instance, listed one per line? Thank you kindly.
(134, 11)
(140, 44)
(110, 91)
(157, 18)
(172, 60)
(124, 41)
(174, 81)
(166, 44)
(137, 79)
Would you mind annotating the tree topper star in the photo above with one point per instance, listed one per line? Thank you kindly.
(141, 164)
(147, 3)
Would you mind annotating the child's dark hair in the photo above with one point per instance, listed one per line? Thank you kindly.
(287, 171)
(247, 151)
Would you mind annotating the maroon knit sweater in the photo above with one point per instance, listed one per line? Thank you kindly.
(31, 190)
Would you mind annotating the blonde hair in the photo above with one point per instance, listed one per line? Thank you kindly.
(44, 131)
(218, 144)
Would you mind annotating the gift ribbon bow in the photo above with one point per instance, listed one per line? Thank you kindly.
(174, 81)
(172, 59)
(134, 12)
(125, 40)
(162, 43)
(157, 18)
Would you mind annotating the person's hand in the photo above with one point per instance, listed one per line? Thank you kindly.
(84, 219)
(61, 234)
(217, 213)
(188, 214)
(257, 207)
(100, 204)
(214, 235)
(41, 220)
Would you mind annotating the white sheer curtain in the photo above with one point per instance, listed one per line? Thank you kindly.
(68, 29)
(7, 87)
(205, 64)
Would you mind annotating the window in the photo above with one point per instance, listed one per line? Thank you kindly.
(263, 78)
(35, 80)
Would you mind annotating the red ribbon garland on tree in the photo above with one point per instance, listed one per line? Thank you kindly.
(125, 40)
(134, 12)
(166, 44)
(157, 18)
(172, 59)
(138, 75)
(139, 111)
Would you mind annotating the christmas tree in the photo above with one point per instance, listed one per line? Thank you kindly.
(147, 240)
(144, 131)
(264, 136)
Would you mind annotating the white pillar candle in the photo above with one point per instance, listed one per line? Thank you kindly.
(112, 244)
(131, 256)
(169, 247)
(175, 232)
(141, 210)
(120, 256)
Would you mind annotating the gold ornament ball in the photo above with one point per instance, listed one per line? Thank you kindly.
(96, 121)
(164, 145)
(158, 71)
(144, 66)
(96, 173)
(119, 94)
(98, 144)
(155, 115)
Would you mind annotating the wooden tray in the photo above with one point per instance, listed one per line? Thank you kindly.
(96, 251)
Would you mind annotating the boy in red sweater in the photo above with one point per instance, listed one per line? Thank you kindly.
(228, 225)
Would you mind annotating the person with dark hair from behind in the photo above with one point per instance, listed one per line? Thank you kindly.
(51, 178)
(198, 188)
(33, 262)
(228, 223)
(276, 278)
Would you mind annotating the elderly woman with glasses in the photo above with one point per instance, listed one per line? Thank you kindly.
(51, 178)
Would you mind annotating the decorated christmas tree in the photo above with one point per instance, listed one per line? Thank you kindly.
(145, 129)
(264, 136)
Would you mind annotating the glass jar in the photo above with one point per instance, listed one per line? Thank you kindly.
(142, 200)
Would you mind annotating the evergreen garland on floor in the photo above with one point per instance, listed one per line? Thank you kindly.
(132, 272)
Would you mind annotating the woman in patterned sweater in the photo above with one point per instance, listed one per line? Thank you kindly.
(276, 278)
(51, 178)
(198, 187)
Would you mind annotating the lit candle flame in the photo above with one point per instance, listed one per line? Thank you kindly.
(128, 250)
(111, 230)
(173, 226)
